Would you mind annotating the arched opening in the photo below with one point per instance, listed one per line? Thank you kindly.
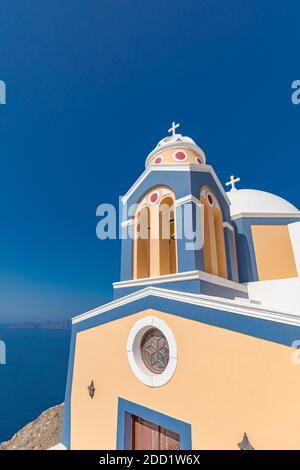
(209, 259)
(167, 242)
(154, 235)
(142, 243)
(214, 240)
(220, 243)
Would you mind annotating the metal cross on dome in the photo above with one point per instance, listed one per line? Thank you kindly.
(232, 182)
(173, 128)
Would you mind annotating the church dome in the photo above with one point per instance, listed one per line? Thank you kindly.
(176, 148)
(252, 201)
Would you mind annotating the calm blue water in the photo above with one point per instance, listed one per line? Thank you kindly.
(34, 377)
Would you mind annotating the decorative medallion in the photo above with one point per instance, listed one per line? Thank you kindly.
(154, 198)
(91, 389)
(210, 199)
(155, 350)
(158, 160)
(245, 444)
(180, 156)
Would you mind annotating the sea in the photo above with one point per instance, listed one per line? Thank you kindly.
(34, 376)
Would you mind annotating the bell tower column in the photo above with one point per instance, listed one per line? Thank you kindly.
(190, 234)
(154, 241)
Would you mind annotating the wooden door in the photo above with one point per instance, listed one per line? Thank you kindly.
(149, 436)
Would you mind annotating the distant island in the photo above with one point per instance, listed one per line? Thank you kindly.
(49, 325)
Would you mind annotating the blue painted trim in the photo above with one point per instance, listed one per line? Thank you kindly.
(231, 259)
(188, 260)
(208, 288)
(126, 255)
(182, 183)
(198, 180)
(264, 329)
(127, 408)
(65, 437)
(178, 181)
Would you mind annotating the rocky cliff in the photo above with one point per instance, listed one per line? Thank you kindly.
(40, 434)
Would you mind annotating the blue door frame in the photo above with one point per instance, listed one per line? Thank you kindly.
(127, 408)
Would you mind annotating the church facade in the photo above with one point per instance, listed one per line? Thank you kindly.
(197, 349)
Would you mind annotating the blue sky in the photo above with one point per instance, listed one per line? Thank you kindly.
(91, 87)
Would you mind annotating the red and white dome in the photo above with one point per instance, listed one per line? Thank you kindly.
(176, 148)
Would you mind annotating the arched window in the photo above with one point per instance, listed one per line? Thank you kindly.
(214, 242)
(167, 243)
(142, 243)
(154, 240)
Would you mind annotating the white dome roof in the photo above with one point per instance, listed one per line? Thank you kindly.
(176, 140)
(258, 202)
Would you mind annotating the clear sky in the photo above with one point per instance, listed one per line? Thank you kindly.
(92, 85)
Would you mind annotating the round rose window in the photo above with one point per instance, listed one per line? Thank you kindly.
(155, 350)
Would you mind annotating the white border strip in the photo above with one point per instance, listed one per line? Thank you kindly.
(186, 199)
(228, 225)
(126, 223)
(266, 215)
(294, 232)
(226, 305)
(58, 446)
(185, 276)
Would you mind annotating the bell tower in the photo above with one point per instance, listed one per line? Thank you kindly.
(176, 226)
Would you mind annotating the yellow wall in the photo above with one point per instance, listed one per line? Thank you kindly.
(273, 252)
(225, 384)
(168, 156)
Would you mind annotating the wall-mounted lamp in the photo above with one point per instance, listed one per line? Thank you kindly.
(245, 444)
(91, 389)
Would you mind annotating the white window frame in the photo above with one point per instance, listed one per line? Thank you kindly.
(135, 359)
